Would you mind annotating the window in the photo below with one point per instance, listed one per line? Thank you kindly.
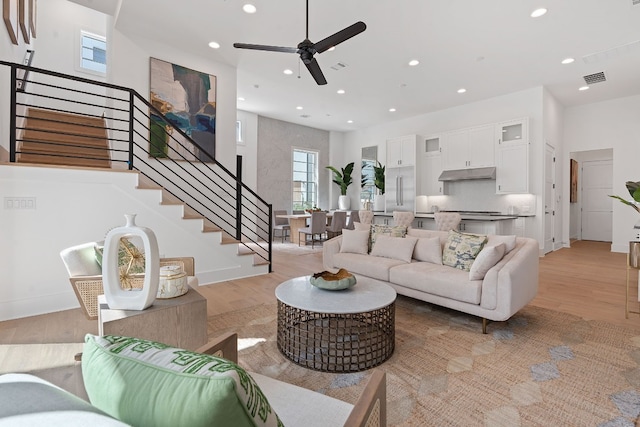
(305, 179)
(93, 53)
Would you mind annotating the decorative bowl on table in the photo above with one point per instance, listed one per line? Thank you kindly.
(333, 281)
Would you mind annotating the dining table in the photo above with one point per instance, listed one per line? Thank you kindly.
(298, 221)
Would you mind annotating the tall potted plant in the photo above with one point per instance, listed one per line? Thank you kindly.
(634, 190)
(344, 180)
(378, 181)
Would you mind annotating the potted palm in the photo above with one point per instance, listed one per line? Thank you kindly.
(634, 246)
(344, 180)
(378, 182)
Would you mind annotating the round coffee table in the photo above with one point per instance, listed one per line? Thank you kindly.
(336, 331)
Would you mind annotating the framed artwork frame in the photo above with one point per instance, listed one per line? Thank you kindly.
(10, 18)
(573, 170)
(187, 98)
(23, 20)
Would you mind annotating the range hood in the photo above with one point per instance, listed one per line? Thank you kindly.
(464, 174)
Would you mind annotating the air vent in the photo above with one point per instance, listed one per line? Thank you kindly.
(635, 2)
(595, 78)
(339, 66)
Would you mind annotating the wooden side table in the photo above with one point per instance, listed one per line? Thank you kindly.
(179, 322)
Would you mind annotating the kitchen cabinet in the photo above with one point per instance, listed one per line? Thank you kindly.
(429, 168)
(424, 223)
(469, 148)
(401, 151)
(384, 220)
(504, 227)
(512, 158)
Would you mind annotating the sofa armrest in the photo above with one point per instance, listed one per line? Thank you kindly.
(371, 408)
(225, 345)
(329, 249)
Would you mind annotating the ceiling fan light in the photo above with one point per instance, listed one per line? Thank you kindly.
(249, 8)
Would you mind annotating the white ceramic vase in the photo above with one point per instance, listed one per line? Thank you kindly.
(344, 203)
(378, 202)
(135, 299)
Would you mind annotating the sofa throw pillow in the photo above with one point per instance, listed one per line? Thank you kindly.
(394, 247)
(362, 227)
(355, 241)
(461, 249)
(142, 382)
(486, 259)
(509, 241)
(386, 230)
(428, 249)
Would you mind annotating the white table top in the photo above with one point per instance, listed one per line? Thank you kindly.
(365, 295)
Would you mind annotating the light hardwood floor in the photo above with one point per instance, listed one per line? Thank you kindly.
(587, 280)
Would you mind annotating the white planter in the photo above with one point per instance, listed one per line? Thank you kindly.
(344, 203)
(134, 299)
(378, 202)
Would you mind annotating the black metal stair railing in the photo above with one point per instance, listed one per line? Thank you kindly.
(58, 118)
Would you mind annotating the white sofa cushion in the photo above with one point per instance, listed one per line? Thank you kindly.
(400, 248)
(428, 249)
(509, 241)
(355, 241)
(438, 280)
(367, 265)
(487, 258)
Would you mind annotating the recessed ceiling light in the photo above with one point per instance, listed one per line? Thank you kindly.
(288, 72)
(583, 88)
(249, 8)
(340, 91)
(214, 45)
(240, 98)
(413, 62)
(392, 110)
(299, 107)
(567, 60)
(462, 90)
(349, 121)
(538, 12)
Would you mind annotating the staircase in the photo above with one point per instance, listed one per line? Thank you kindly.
(63, 139)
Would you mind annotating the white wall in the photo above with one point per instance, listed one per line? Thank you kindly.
(553, 135)
(527, 103)
(248, 149)
(610, 124)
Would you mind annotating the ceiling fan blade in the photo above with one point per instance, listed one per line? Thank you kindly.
(340, 36)
(265, 47)
(316, 72)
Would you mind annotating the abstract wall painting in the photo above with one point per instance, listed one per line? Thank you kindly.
(187, 98)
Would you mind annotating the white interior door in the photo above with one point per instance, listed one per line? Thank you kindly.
(549, 197)
(597, 206)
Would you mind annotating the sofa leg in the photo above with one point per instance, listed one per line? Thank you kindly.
(484, 325)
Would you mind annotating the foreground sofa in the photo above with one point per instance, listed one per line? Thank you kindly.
(504, 289)
(142, 383)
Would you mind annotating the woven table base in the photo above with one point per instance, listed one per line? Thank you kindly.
(349, 342)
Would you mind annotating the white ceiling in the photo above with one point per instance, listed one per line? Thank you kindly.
(489, 47)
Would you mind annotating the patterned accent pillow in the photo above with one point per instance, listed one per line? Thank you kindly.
(386, 230)
(142, 382)
(461, 249)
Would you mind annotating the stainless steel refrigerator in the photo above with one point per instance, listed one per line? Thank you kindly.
(400, 189)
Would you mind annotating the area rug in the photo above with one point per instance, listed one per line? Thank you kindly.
(541, 368)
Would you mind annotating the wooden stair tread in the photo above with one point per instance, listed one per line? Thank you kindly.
(39, 113)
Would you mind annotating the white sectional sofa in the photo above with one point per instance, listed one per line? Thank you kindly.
(505, 288)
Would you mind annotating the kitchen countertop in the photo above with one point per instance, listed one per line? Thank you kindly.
(467, 217)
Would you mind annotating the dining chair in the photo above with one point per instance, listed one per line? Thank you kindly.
(280, 224)
(403, 219)
(366, 217)
(317, 225)
(446, 221)
(338, 222)
(353, 217)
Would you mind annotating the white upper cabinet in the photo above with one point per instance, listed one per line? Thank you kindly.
(469, 148)
(512, 157)
(429, 167)
(401, 151)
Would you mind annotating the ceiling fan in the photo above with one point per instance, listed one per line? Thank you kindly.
(306, 49)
